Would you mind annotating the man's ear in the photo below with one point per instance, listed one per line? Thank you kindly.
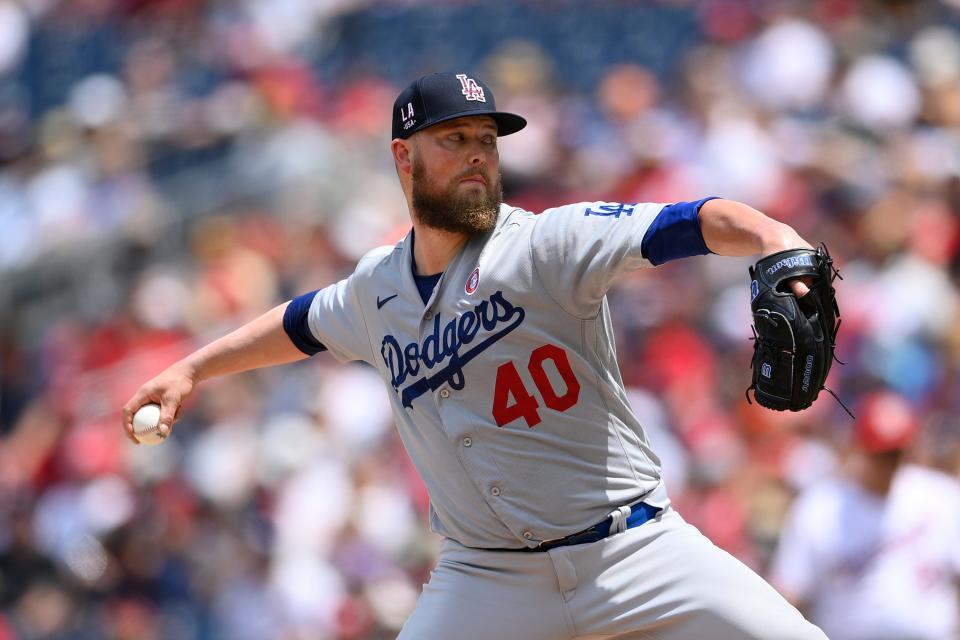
(402, 151)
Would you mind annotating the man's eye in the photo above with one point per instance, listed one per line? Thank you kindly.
(456, 137)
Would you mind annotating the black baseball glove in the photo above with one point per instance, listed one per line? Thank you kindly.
(794, 338)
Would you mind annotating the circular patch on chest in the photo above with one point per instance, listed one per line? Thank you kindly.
(473, 281)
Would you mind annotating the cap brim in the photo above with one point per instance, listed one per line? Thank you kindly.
(507, 123)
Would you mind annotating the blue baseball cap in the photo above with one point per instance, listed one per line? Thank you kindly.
(439, 97)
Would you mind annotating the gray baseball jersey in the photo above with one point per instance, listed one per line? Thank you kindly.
(508, 398)
(505, 384)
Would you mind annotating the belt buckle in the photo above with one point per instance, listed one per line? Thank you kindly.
(548, 542)
(581, 537)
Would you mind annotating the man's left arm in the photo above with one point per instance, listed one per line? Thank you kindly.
(732, 228)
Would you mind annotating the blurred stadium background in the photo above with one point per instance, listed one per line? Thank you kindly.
(171, 168)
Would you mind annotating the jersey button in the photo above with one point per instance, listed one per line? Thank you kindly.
(527, 535)
(428, 315)
(495, 491)
(468, 441)
(444, 393)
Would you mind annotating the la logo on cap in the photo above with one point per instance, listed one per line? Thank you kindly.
(471, 89)
(406, 114)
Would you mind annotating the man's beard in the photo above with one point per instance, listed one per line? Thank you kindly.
(470, 213)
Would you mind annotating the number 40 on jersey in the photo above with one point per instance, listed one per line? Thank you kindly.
(512, 400)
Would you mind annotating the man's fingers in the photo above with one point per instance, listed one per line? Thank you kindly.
(801, 286)
(131, 436)
(128, 423)
(169, 405)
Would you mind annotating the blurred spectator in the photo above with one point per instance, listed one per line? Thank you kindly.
(872, 552)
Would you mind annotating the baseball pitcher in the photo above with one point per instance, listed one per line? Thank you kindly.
(490, 329)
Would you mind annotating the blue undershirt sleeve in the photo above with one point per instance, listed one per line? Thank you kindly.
(675, 233)
(296, 325)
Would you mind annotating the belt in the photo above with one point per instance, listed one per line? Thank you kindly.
(620, 519)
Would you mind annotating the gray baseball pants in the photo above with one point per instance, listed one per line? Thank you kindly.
(662, 580)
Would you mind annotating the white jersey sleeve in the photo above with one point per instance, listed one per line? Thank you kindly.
(579, 250)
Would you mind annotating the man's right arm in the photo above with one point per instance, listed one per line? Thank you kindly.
(260, 343)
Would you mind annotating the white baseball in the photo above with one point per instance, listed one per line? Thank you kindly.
(146, 424)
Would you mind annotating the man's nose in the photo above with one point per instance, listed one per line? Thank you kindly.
(478, 154)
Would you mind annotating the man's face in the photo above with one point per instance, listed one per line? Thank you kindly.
(456, 175)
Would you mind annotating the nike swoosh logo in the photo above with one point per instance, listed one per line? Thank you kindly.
(380, 302)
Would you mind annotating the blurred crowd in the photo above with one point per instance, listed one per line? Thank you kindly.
(170, 169)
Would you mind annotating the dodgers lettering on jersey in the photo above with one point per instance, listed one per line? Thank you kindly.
(496, 316)
(504, 385)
